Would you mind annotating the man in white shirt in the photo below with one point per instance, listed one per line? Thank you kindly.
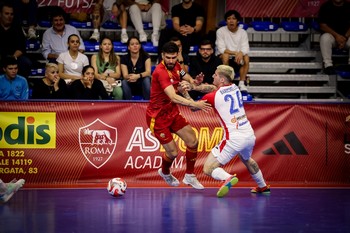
(55, 38)
(232, 41)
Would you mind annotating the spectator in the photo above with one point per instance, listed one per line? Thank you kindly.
(7, 190)
(109, 10)
(334, 20)
(188, 19)
(150, 12)
(136, 70)
(203, 66)
(51, 86)
(182, 57)
(55, 38)
(71, 62)
(12, 39)
(107, 68)
(232, 41)
(12, 85)
(28, 8)
(88, 88)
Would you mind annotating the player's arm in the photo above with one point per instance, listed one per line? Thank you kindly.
(187, 96)
(204, 88)
(175, 98)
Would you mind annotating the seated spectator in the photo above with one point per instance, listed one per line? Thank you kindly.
(182, 57)
(136, 70)
(12, 85)
(88, 88)
(188, 19)
(55, 38)
(109, 10)
(12, 39)
(71, 62)
(232, 41)
(149, 12)
(51, 86)
(107, 68)
(26, 9)
(203, 66)
(334, 20)
(7, 190)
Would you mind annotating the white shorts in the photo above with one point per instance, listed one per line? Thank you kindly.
(242, 143)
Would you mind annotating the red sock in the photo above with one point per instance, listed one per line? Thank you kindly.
(191, 156)
(166, 164)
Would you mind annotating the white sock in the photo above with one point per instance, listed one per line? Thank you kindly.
(96, 30)
(241, 83)
(220, 174)
(123, 30)
(259, 179)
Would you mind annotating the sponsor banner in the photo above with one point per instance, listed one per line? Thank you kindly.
(71, 6)
(86, 6)
(53, 144)
(275, 9)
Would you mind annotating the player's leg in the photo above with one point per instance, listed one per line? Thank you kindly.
(188, 135)
(213, 167)
(168, 157)
(7, 190)
(256, 174)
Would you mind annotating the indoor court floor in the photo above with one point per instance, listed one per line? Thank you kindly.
(176, 210)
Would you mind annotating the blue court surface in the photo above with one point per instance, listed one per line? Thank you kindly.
(177, 210)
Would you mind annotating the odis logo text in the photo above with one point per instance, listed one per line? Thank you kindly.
(97, 142)
(27, 130)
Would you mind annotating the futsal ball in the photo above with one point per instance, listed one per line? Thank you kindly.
(116, 187)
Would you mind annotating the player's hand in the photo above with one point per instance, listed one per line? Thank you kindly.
(186, 85)
(203, 105)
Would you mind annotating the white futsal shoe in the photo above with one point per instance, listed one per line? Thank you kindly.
(191, 179)
(169, 179)
(12, 188)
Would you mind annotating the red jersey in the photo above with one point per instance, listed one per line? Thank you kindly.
(159, 101)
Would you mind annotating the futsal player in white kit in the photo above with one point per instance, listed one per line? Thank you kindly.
(238, 139)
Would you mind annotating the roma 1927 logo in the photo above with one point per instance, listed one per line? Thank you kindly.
(97, 142)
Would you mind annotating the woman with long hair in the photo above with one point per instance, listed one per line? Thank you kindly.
(87, 87)
(136, 70)
(107, 68)
(71, 62)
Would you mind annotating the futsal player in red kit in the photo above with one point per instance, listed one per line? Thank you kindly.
(238, 139)
(164, 118)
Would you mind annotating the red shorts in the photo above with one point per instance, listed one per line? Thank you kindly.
(163, 127)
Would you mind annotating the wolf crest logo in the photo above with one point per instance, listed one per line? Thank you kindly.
(97, 142)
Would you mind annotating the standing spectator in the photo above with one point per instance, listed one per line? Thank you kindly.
(29, 9)
(71, 62)
(51, 86)
(182, 57)
(334, 20)
(107, 68)
(203, 66)
(232, 41)
(164, 118)
(12, 39)
(188, 19)
(55, 38)
(7, 190)
(150, 12)
(87, 87)
(136, 70)
(12, 85)
(109, 10)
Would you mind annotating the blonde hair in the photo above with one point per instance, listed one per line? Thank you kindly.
(51, 65)
(226, 71)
